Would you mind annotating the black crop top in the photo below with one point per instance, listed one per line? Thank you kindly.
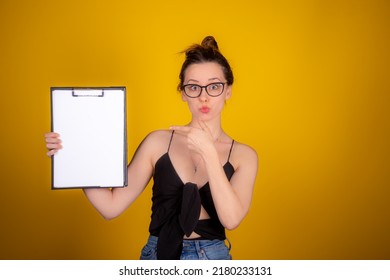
(176, 208)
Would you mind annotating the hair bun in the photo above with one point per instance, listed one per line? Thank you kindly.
(207, 51)
(209, 42)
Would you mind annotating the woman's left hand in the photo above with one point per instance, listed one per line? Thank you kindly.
(199, 139)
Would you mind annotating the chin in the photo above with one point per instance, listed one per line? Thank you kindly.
(204, 118)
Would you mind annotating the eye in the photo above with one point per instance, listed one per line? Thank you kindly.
(193, 87)
(215, 86)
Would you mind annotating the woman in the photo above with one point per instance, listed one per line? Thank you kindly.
(203, 179)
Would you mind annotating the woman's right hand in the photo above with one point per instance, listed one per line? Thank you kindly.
(53, 143)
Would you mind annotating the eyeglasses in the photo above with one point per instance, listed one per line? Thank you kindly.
(213, 89)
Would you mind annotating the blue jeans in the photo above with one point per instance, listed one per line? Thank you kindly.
(192, 250)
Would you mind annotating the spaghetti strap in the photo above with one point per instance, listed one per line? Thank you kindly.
(230, 152)
(170, 141)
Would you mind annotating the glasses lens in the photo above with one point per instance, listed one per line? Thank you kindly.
(192, 90)
(215, 89)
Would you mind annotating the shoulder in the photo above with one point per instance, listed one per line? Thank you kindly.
(158, 135)
(157, 139)
(155, 143)
(244, 154)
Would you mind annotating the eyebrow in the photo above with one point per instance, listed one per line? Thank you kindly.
(196, 81)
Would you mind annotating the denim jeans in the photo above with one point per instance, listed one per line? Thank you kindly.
(192, 250)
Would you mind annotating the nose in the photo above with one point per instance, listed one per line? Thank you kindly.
(204, 97)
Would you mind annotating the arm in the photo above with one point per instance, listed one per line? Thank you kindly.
(110, 203)
(232, 198)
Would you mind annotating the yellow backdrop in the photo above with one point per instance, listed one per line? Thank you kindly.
(311, 96)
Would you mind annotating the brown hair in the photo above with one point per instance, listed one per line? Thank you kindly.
(207, 51)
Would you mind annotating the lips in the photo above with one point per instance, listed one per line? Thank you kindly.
(204, 109)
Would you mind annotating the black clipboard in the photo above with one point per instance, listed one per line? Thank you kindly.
(92, 125)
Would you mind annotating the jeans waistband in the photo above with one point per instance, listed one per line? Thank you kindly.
(192, 242)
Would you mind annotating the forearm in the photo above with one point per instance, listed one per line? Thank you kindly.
(102, 200)
(227, 203)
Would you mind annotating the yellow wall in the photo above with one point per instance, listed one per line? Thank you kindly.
(311, 96)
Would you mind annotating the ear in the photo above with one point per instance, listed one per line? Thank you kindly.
(183, 96)
(228, 92)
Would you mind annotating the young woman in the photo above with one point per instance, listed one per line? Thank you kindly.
(203, 179)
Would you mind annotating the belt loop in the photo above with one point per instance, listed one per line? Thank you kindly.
(197, 247)
(199, 251)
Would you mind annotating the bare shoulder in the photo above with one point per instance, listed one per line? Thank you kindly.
(157, 136)
(244, 154)
(245, 162)
(156, 143)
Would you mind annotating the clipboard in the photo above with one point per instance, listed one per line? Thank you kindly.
(91, 122)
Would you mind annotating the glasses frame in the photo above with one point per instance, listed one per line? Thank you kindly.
(204, 87)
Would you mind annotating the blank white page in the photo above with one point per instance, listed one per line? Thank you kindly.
(92, 126)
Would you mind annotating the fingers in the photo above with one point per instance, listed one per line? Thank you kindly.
(184, 129)
(53, 143)
(195, 136)
(54, 146)
(51, 152)
(204, 126)
(203, 129)
(51, 135)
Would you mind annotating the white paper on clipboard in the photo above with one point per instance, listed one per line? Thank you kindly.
(92, 127)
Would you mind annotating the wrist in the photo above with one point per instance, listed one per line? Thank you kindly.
(210, 155)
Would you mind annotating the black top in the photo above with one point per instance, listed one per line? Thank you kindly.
(176, 208)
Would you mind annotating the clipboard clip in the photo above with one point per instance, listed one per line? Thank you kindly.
(88, 92)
